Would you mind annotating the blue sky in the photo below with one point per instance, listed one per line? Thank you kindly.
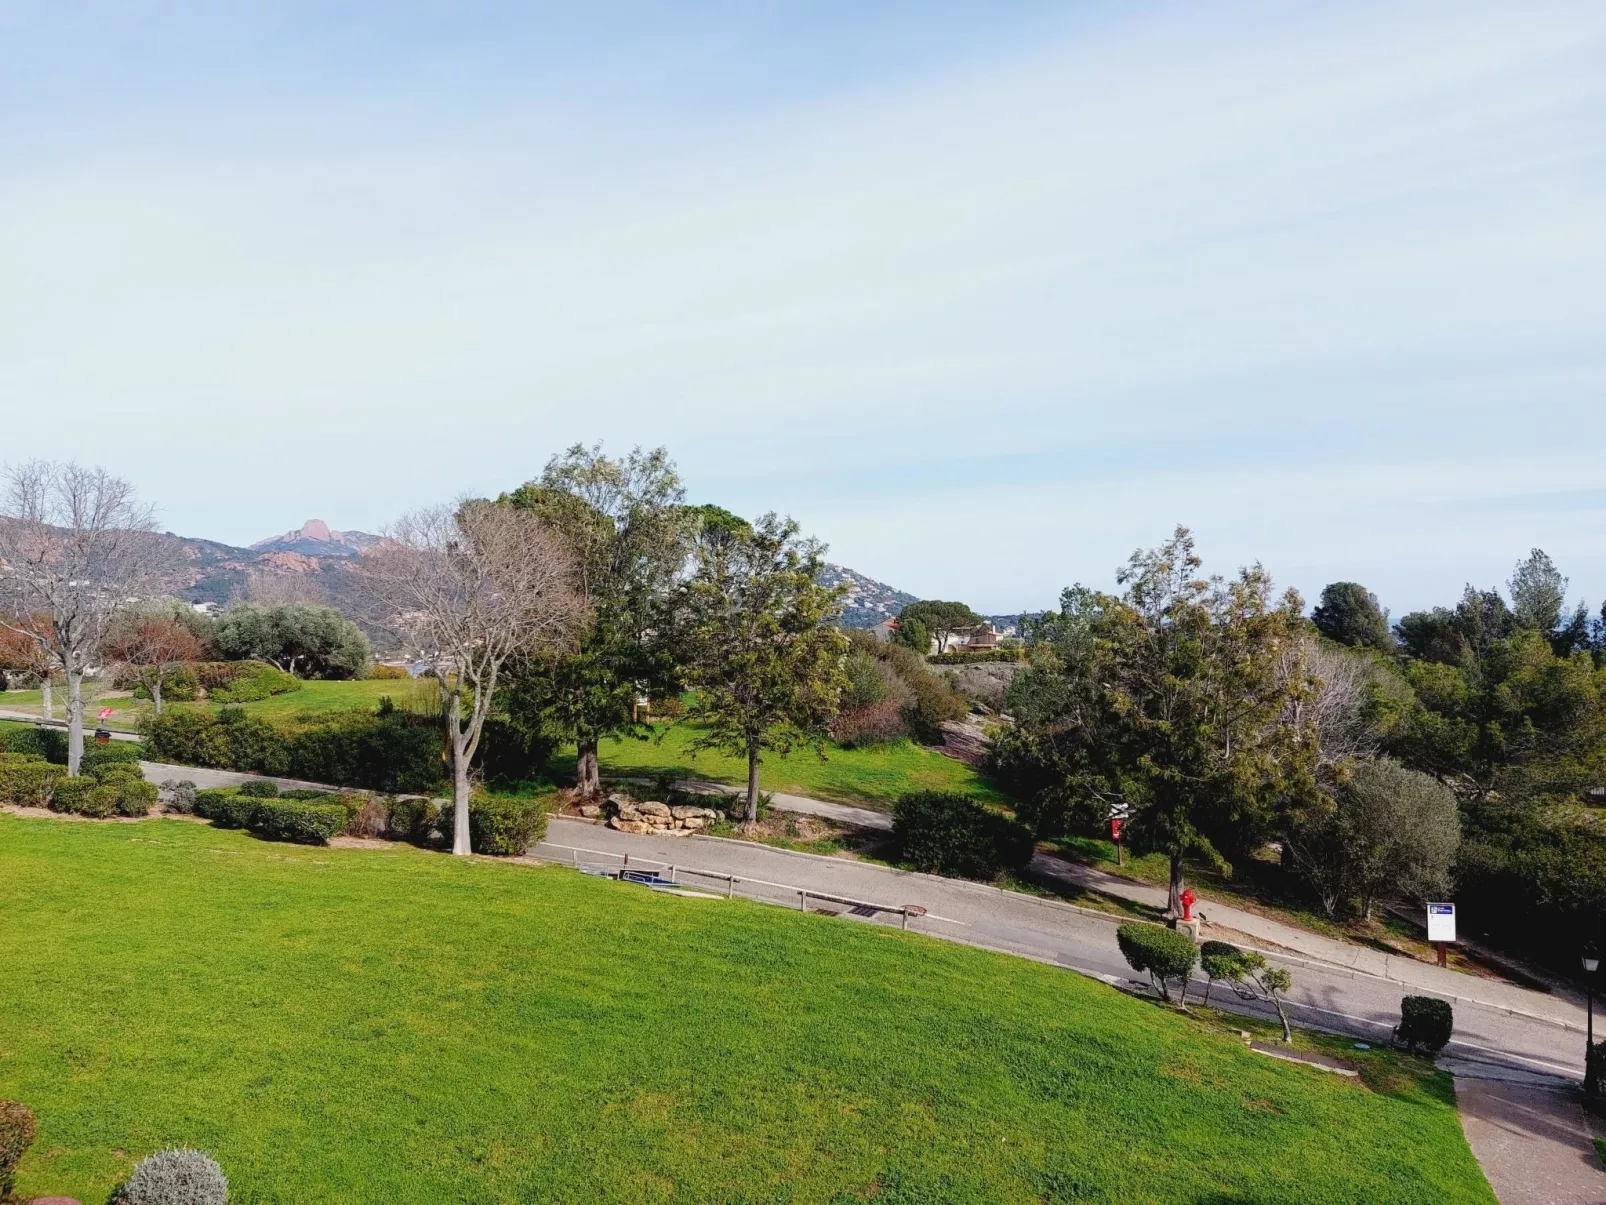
(984, 295)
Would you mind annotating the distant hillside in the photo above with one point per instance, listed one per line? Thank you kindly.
(868, 601)
(317, 538)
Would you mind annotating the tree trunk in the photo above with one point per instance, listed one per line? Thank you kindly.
(1366, 908)
(49, 697)
(458, 743)
(156, 692)
(587, 772)
(75, 721)
(752, 784)
(1288, 1034)
(1173, 903)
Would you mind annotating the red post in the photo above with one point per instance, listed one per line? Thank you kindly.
(1188, 900)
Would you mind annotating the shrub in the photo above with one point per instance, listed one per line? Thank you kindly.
(369, 818)
(136, 797)
(976, 658)
(389, 673)
(70, 794)
(191, 738)
(16, 1136)
(259, 788)
(944, 832)
(260, 681)
(1164, 953)
(28, 780)
(413, 818)
(31, 741)
(112, 773)
(877, 724)
(504, 824)
(297, 820)
(1425, 1021)
(109, 754)
(100, 803)
(175, 1177)
(225, 806)
(178, 795)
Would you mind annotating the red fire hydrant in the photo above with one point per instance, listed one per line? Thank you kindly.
(1188, 899)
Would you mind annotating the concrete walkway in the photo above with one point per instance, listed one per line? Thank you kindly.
(1532, 1143)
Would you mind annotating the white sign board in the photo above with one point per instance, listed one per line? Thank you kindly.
(1441, 922)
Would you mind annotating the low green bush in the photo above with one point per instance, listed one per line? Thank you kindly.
(1425, 1021)
(1164, 954)
(27, 780)
(1005, 655)
(110, 753)
(259, 788)
(504, 824)
(70, 794)
(111, 773)
(945, 832)
(413, 818)
(225, 806)
(136, 797)
(35, 742)
(299, 821)
(16, 1136)
(262, 681)
(100, 803)
(388, 673)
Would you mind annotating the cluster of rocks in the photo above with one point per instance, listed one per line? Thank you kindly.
(651, 817)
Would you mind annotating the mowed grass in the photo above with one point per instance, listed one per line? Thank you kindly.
(871, 777)
(400, 1026)
(313, 697)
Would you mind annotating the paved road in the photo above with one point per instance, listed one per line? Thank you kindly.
(1488, 1035)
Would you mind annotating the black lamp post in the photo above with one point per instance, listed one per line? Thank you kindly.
(1591, 965)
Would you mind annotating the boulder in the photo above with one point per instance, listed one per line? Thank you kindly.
(653, 808)
(590, 810)
(638, 827)
(688, 812)
(691, 822)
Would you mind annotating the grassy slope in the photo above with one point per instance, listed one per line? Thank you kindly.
(398, 1026)
(872, 777)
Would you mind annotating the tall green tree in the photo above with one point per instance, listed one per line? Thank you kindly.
(1349, 614)
(760, 646)
(300, 638)
(942, 621)
(630, 535)
(1173, 698)
(1538, 593)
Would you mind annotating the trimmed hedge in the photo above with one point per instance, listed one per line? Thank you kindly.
(225, 806)
(1161, 952)
(298, 820)
(262, 788)
(506, 825)
(944, 832)
(34, 742)
(384, 750)
(27, 780)
(100, 803)
(413, 818)
(1425, 1021)
(70, 794)
(136, 797)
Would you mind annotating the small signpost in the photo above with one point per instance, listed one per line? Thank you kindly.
(1441, 929)
(1118, 815)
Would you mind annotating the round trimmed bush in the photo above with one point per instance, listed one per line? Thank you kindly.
(115, 773)
(504, 824)
(178, 795)
(99, 804)
(1425, 1021)
(175, 1177)
(136, 797)
(69, 794)
(296, 820)
(259, 788)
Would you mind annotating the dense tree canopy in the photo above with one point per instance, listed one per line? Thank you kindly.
(630, 536)
(1349, 614)
(300, 638)
(942, 621)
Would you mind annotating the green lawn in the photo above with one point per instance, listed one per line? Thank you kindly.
(312, 697)
(400, 1026)
(873, 777)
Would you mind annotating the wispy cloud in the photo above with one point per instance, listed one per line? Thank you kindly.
(1321, 281)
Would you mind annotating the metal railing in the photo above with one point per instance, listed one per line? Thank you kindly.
(758, 889)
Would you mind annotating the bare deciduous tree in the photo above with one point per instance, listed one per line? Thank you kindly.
(153, 643)
(469, 589)
(77, 548)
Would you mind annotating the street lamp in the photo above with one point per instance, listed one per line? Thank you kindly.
(1591, 965)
